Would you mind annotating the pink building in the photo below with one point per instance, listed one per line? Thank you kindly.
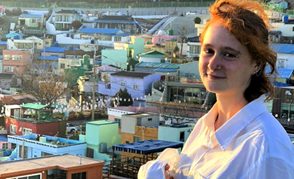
(160, 39)
(14, 61)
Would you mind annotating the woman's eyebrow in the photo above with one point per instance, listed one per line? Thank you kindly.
(232, 49)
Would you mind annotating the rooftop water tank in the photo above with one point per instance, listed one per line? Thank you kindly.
(55, 44)
(285, 19)
(42, 139)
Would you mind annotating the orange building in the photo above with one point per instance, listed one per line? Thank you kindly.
(62, 166)
(15, 61)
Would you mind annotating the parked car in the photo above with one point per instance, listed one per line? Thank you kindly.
(71, 128)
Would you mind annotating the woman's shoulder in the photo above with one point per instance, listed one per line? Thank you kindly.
(272, 135)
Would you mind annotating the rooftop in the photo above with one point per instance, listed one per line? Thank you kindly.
(63, 162)
(54, 49)
(48, 141)
(99, 31)
(30, 16)
(158, 65)
(102, 122)
(131, 74)
(153, 54)
(64, 11)
(147, 146)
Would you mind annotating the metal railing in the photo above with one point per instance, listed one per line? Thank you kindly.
(33, 4)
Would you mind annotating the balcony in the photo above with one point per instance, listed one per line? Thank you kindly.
(33, 120)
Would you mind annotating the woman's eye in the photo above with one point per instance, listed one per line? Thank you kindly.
(229, 55)
(208, 51)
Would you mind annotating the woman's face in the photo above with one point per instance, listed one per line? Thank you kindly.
(225, 65)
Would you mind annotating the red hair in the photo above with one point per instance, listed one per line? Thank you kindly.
(248, 22)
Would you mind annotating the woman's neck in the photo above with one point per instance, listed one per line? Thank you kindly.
(228, 107)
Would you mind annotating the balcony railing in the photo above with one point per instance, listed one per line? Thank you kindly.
(32, 119)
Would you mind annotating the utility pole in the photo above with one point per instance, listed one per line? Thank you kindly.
(93, 89)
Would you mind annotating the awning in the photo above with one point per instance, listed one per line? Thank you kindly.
(147, 146)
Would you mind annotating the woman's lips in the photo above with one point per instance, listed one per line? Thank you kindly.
(215, 76)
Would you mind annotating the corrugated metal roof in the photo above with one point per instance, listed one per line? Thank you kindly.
(99, 31)
(2, 138)
(165, 70)
(154, 54)
(33, 106)
(283, 72)
(30, 16)
(283, 48)
(48, 58)
(158, 65)
(115, 21)
(131, 74)
(55, 49)
(147, 146)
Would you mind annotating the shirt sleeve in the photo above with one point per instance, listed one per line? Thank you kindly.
(271, 168)
(156, 169)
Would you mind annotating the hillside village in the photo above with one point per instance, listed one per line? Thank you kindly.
(127, 79)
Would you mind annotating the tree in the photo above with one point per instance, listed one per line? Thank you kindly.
(197, 20)
(122, 98)
(39, 81)
(76, 24)
(13, 82)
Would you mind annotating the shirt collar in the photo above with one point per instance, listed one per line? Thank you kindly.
(227, 132)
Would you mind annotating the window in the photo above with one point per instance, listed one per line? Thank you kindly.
(281, 63)
(26, 131)
(34, 21)
(6, 57)
(182, 136)
(137, 139)
(62, 65)
(195, 49)
(8, 69)
(122, 83)
(5, 145)
(16, 57)
(117, 39)
(12, 129)
(149, 119)
(135, 87)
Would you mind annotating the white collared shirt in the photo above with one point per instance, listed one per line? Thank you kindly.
(252, 144)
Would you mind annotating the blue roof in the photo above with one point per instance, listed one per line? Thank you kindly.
(3, 42)
(14, 34)
(2, 138)
(147, 146)
(55, 49)
(165, 70)
(99, 31)
(98, 61)
(283, 48)
(279, 84)
(115, 21)
(282, 72)
(48, 58)
(30, 15)
(1, 56)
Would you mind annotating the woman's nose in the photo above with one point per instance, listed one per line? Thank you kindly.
(214, 62)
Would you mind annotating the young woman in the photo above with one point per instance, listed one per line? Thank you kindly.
(238, 137)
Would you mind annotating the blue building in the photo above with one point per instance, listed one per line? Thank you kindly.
(33, 145)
